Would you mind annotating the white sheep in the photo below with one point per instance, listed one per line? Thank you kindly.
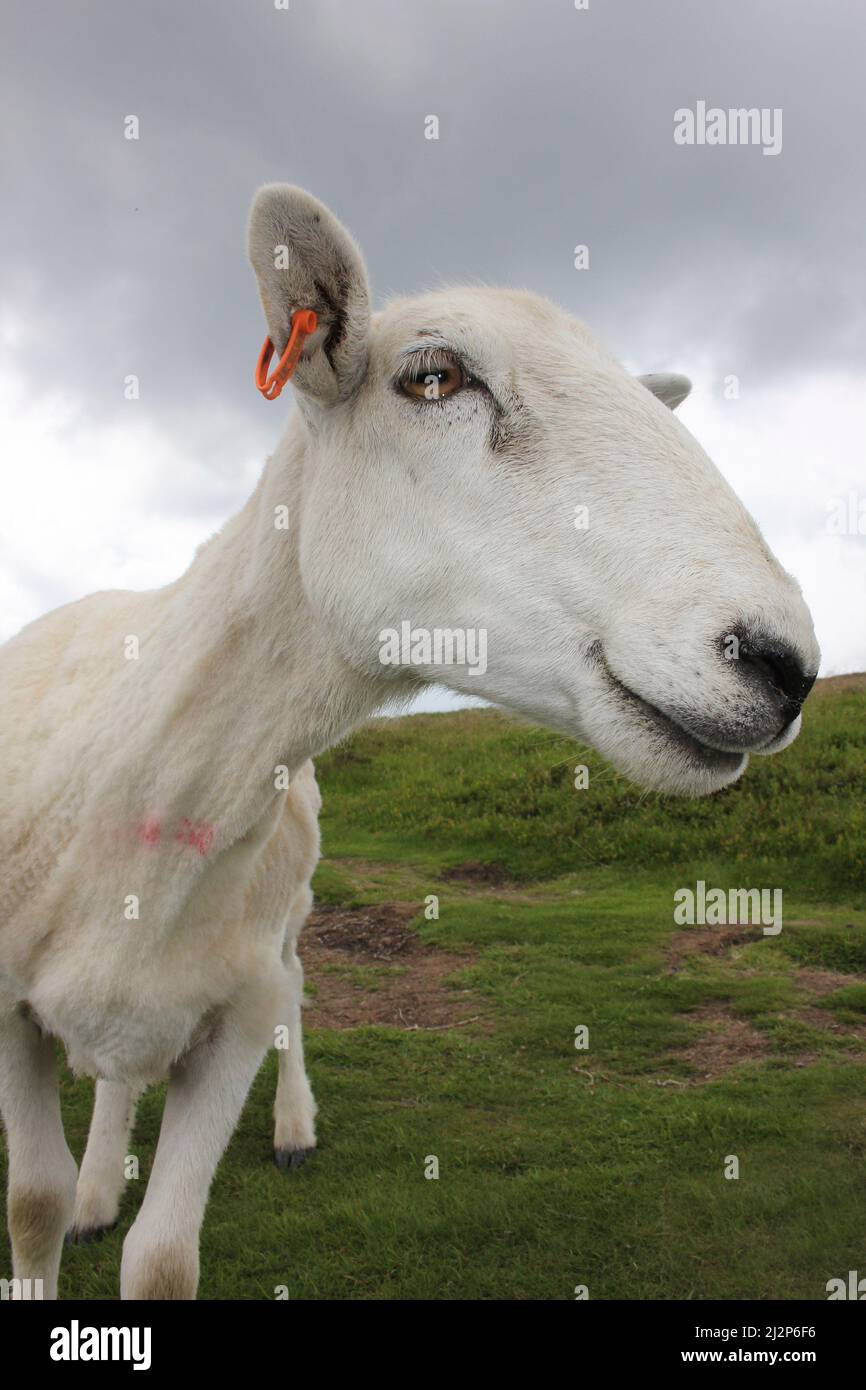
(468, 460)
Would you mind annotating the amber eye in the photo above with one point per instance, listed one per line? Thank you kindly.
(433, 382)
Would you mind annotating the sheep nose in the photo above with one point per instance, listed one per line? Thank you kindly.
(770, 660)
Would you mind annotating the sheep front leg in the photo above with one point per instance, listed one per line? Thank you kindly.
(206, 1094)
(42, 1171)
(295, 1108)
(101, 1181)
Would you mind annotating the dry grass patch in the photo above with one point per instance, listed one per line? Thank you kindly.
(725, 1042)
(368, 966)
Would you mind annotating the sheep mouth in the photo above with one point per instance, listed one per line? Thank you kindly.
(662, 726)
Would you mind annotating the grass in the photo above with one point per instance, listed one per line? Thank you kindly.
(557, 1166)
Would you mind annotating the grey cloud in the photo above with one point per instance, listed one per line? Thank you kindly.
(556, 128)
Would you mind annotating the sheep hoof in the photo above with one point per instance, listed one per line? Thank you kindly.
(289, 1159)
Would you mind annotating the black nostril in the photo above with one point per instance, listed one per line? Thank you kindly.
(781, 668)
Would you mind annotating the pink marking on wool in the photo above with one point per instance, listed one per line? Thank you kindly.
(199, 835)
(150, 831)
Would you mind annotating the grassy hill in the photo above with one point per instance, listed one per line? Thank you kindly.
(476, 783)
(454, 1037)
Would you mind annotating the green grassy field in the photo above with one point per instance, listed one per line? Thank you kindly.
(559, 1167)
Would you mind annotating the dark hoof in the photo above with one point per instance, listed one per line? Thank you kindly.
(289, 1159)
(88, 1234)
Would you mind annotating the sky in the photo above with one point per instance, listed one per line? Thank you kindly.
(556, 129)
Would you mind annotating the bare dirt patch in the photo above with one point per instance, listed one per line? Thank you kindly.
(376, 933)
(489, 881)
(822, 984)
(709, 941)
(725, 1042)
(473, 872)
(819, 983)
(828, 1023)
(368, 966)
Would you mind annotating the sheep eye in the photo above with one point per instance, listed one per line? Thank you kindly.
(434, 381)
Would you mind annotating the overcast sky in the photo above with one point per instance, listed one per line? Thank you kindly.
(556, 128)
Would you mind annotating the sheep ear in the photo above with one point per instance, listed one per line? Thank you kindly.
(304, 258)
(670, 388)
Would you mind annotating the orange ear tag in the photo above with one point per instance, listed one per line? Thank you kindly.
(304, 323)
